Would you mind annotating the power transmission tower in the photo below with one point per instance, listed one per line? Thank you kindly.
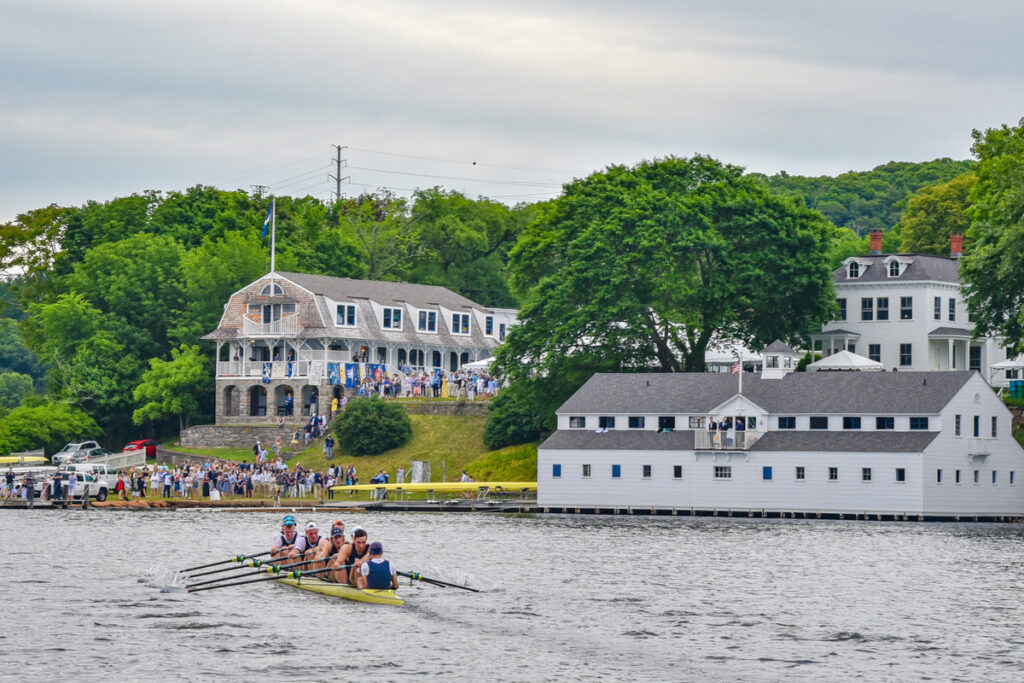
(258, 190)
(339, 164)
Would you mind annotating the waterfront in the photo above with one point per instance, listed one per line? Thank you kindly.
(710, 599)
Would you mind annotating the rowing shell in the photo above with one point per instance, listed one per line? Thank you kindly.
(341, 590)
(445, 486)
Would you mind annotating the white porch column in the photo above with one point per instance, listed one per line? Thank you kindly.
(951, 359)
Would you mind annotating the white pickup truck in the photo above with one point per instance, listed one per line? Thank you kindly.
(95, 486)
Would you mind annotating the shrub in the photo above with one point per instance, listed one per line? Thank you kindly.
(513, 418)
(369, 426)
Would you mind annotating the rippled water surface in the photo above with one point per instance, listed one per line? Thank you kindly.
(569, 598)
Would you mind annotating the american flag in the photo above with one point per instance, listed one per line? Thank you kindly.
(736, 368)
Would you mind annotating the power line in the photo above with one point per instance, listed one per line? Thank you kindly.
(472, 163)
(264, 168)
(492, 181)
(284, 182)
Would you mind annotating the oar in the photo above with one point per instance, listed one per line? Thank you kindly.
(270, 569)
(236, 558)
(286, 575)
(437, 582)
(251, 563)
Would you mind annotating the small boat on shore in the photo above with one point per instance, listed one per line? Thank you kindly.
(344, 591)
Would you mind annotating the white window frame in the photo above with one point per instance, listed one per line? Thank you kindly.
(425, 327)
(338, 314)
(463, 326)
(722, 472)
(384, 319)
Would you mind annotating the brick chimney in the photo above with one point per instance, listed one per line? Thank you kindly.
(956, 245)
(876, 242)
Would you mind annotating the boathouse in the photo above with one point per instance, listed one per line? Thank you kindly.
(892, 444)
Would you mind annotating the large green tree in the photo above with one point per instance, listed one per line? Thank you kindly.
(172, 388)
(45, 425)
(933, 214)
(14, 387)
(994, 268)
(642, 267)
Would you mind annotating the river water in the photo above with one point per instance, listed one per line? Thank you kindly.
(566, 598)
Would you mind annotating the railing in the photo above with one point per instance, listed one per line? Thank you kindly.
(279, 369)
(289, 325)
(123, 460)
(724, 440)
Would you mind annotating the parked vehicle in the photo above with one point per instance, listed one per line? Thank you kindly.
(66, 454)
(90, 485)
(98, 470)
(91, 454)
(148, 444)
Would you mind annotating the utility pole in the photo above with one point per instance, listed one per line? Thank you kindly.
(339, 164)
(258, 190)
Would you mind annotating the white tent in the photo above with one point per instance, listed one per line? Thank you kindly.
(845, 360)
(481, 364)
(1010, 364)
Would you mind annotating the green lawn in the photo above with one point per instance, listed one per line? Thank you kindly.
(450, 443)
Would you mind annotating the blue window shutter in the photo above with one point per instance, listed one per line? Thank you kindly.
(766, 473)
(556, 471)
(616, 471)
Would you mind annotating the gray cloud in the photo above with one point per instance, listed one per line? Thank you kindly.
(102, 99)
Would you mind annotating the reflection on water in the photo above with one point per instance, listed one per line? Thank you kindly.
(581, 598)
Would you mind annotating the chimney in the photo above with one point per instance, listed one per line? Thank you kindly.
(956, 245)
(876, 242)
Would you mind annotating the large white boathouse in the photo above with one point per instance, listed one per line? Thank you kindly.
(891, 444)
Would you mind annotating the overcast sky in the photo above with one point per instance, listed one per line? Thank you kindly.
(102, 98)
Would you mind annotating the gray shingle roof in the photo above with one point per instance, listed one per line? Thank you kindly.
(798, 393)
(620, 439)
(346, 289)
(923, 267)
(845, 442)
(778, 346)
(950, 332)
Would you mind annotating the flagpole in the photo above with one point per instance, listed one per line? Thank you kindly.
(273, 233)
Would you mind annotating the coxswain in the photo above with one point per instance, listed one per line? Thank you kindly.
(377, 573)
(313, 545)
(350, 558)
(284, 542)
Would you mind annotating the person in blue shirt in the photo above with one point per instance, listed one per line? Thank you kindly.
(378, 573)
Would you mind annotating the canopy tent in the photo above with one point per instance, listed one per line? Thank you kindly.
(845, 360)
(1010, 364)
(481, 364)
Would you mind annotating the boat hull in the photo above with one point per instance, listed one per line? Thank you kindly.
(339, 590)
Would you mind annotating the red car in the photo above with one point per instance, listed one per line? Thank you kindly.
(148, 444)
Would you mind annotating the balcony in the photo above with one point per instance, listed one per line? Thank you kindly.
(727, 440)
(979, 447)
(287, 326)
(276, 369)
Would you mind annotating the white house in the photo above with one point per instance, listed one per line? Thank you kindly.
(289, 338)
(907, 311)
(922, 444)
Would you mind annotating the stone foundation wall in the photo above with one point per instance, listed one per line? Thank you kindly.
(477, 408)
(236, 436)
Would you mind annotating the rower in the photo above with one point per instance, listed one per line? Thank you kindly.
(284, 542)
(314, 543)
(324, 555)
(348, 560)
(377, 573)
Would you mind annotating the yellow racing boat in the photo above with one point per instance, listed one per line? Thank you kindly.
(340, 590)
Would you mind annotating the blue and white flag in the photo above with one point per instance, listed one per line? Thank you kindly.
(353, 377)
(266, 222)
(268, 369)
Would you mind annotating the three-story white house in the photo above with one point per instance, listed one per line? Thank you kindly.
(287, 339)
(907, 311)
(921, 444)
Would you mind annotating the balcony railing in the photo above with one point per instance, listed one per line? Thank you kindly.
(724, 440)
(276, 369)
(289, 325)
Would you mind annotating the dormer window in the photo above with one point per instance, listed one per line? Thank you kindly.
(392, 318)
(854, 270)
(460, 323)
(273, 289)
(346, 315)
(894, 268)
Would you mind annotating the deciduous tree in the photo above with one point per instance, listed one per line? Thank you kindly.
(933, 214)
(172, 388)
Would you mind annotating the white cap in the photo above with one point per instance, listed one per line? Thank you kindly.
(311, 525)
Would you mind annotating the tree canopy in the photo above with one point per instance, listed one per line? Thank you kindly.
(642, 267)
(172, 388)
(994, 268)
(933, 214)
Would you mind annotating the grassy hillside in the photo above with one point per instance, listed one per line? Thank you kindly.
(449, 442)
